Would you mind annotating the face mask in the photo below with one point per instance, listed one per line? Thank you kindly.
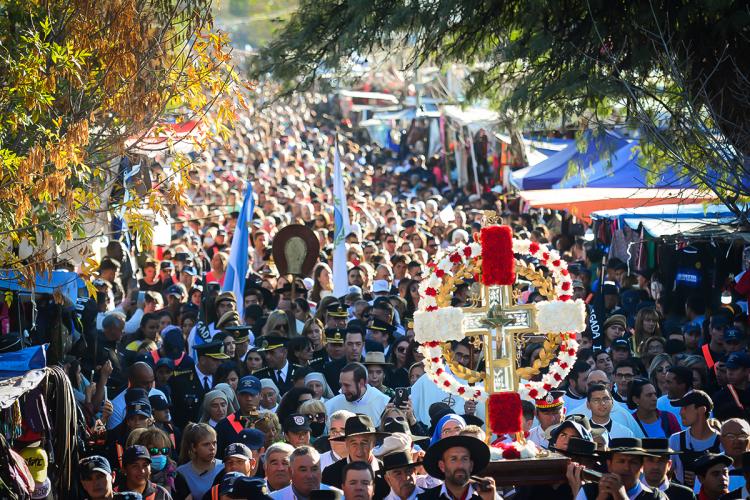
(316, 429)
(158, 462)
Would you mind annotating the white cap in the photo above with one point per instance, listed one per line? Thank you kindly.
(380, 286)
(308, 283)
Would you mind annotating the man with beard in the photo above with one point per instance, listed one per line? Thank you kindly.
(455, 460)
(398, 471)
(304, 469)
(357, 395)
(425, 392)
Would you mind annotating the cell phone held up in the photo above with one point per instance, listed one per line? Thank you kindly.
(401, 396)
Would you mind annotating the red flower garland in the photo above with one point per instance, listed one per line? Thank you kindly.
(505, 413)
(498, 262)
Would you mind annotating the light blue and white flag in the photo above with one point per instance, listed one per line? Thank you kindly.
(341, 228)
(236, 273)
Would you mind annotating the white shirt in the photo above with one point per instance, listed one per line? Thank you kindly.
(424, 392)
(287, 493)
(328, 458)
(201, 375)
(132, 325)
(372, 403)
(538, 437)
(617, 430)
(444, 493)
(393, 496)
(618, 414)
(119, 407)
(663, 404)
(691, 443)
(284, 371)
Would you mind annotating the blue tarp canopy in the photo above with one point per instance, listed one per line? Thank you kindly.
(623, 170)
(666, 220)
(546, 174)
(68, 282)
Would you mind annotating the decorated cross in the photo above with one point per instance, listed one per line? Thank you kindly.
(505, 325)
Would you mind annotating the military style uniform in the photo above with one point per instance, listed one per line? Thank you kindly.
(284, 383)
(188, 390)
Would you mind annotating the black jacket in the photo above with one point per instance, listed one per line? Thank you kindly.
(434, 494)
(333, 476)
(592, 490)
(187, 395)
(680, 492)
(729, 496)
(283, 385)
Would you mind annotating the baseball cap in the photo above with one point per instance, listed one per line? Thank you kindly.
(165, 362)
(621, 344)
(238, 450)
(608, 289)
(695, 397)
(253, 438)
(228, 481)
(176, 290)
(135, 452)
(380, 286)
(139, 407)
(297, 423)
(578, 284)
(732, 334)
(249, 487)
(738, 360)
(249, 385)
(94, 463)
(166, 264)
(190, 271)
(158, 402)
(172, 337)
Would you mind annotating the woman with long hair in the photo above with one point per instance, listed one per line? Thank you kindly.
(198, 463)
(401, 359)
(300, 351)
(292, 399)
(657, 371)
(646, 324)
(322, 285)
(313, 331)
(277, 324)
(412, 298)
(229, 373)
(650, 348)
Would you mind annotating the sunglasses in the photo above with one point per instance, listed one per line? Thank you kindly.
(318, 417)
(395, 419)
(401, 349)
(158, 451)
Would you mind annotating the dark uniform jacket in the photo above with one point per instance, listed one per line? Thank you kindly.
(187, 396)
(333, 475)
(228, 431)
(283, 385)
(434, 494)
(680, 492)
(592, 491)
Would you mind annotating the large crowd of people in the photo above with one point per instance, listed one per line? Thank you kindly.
(306, 394)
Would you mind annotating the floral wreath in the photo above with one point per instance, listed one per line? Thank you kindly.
(436, 323)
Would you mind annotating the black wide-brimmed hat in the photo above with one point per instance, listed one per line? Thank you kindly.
(392, 425)
(397, 460)
(578, 447)
(658, 446)
(627, 446)
(358, 425)
(478, 450)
